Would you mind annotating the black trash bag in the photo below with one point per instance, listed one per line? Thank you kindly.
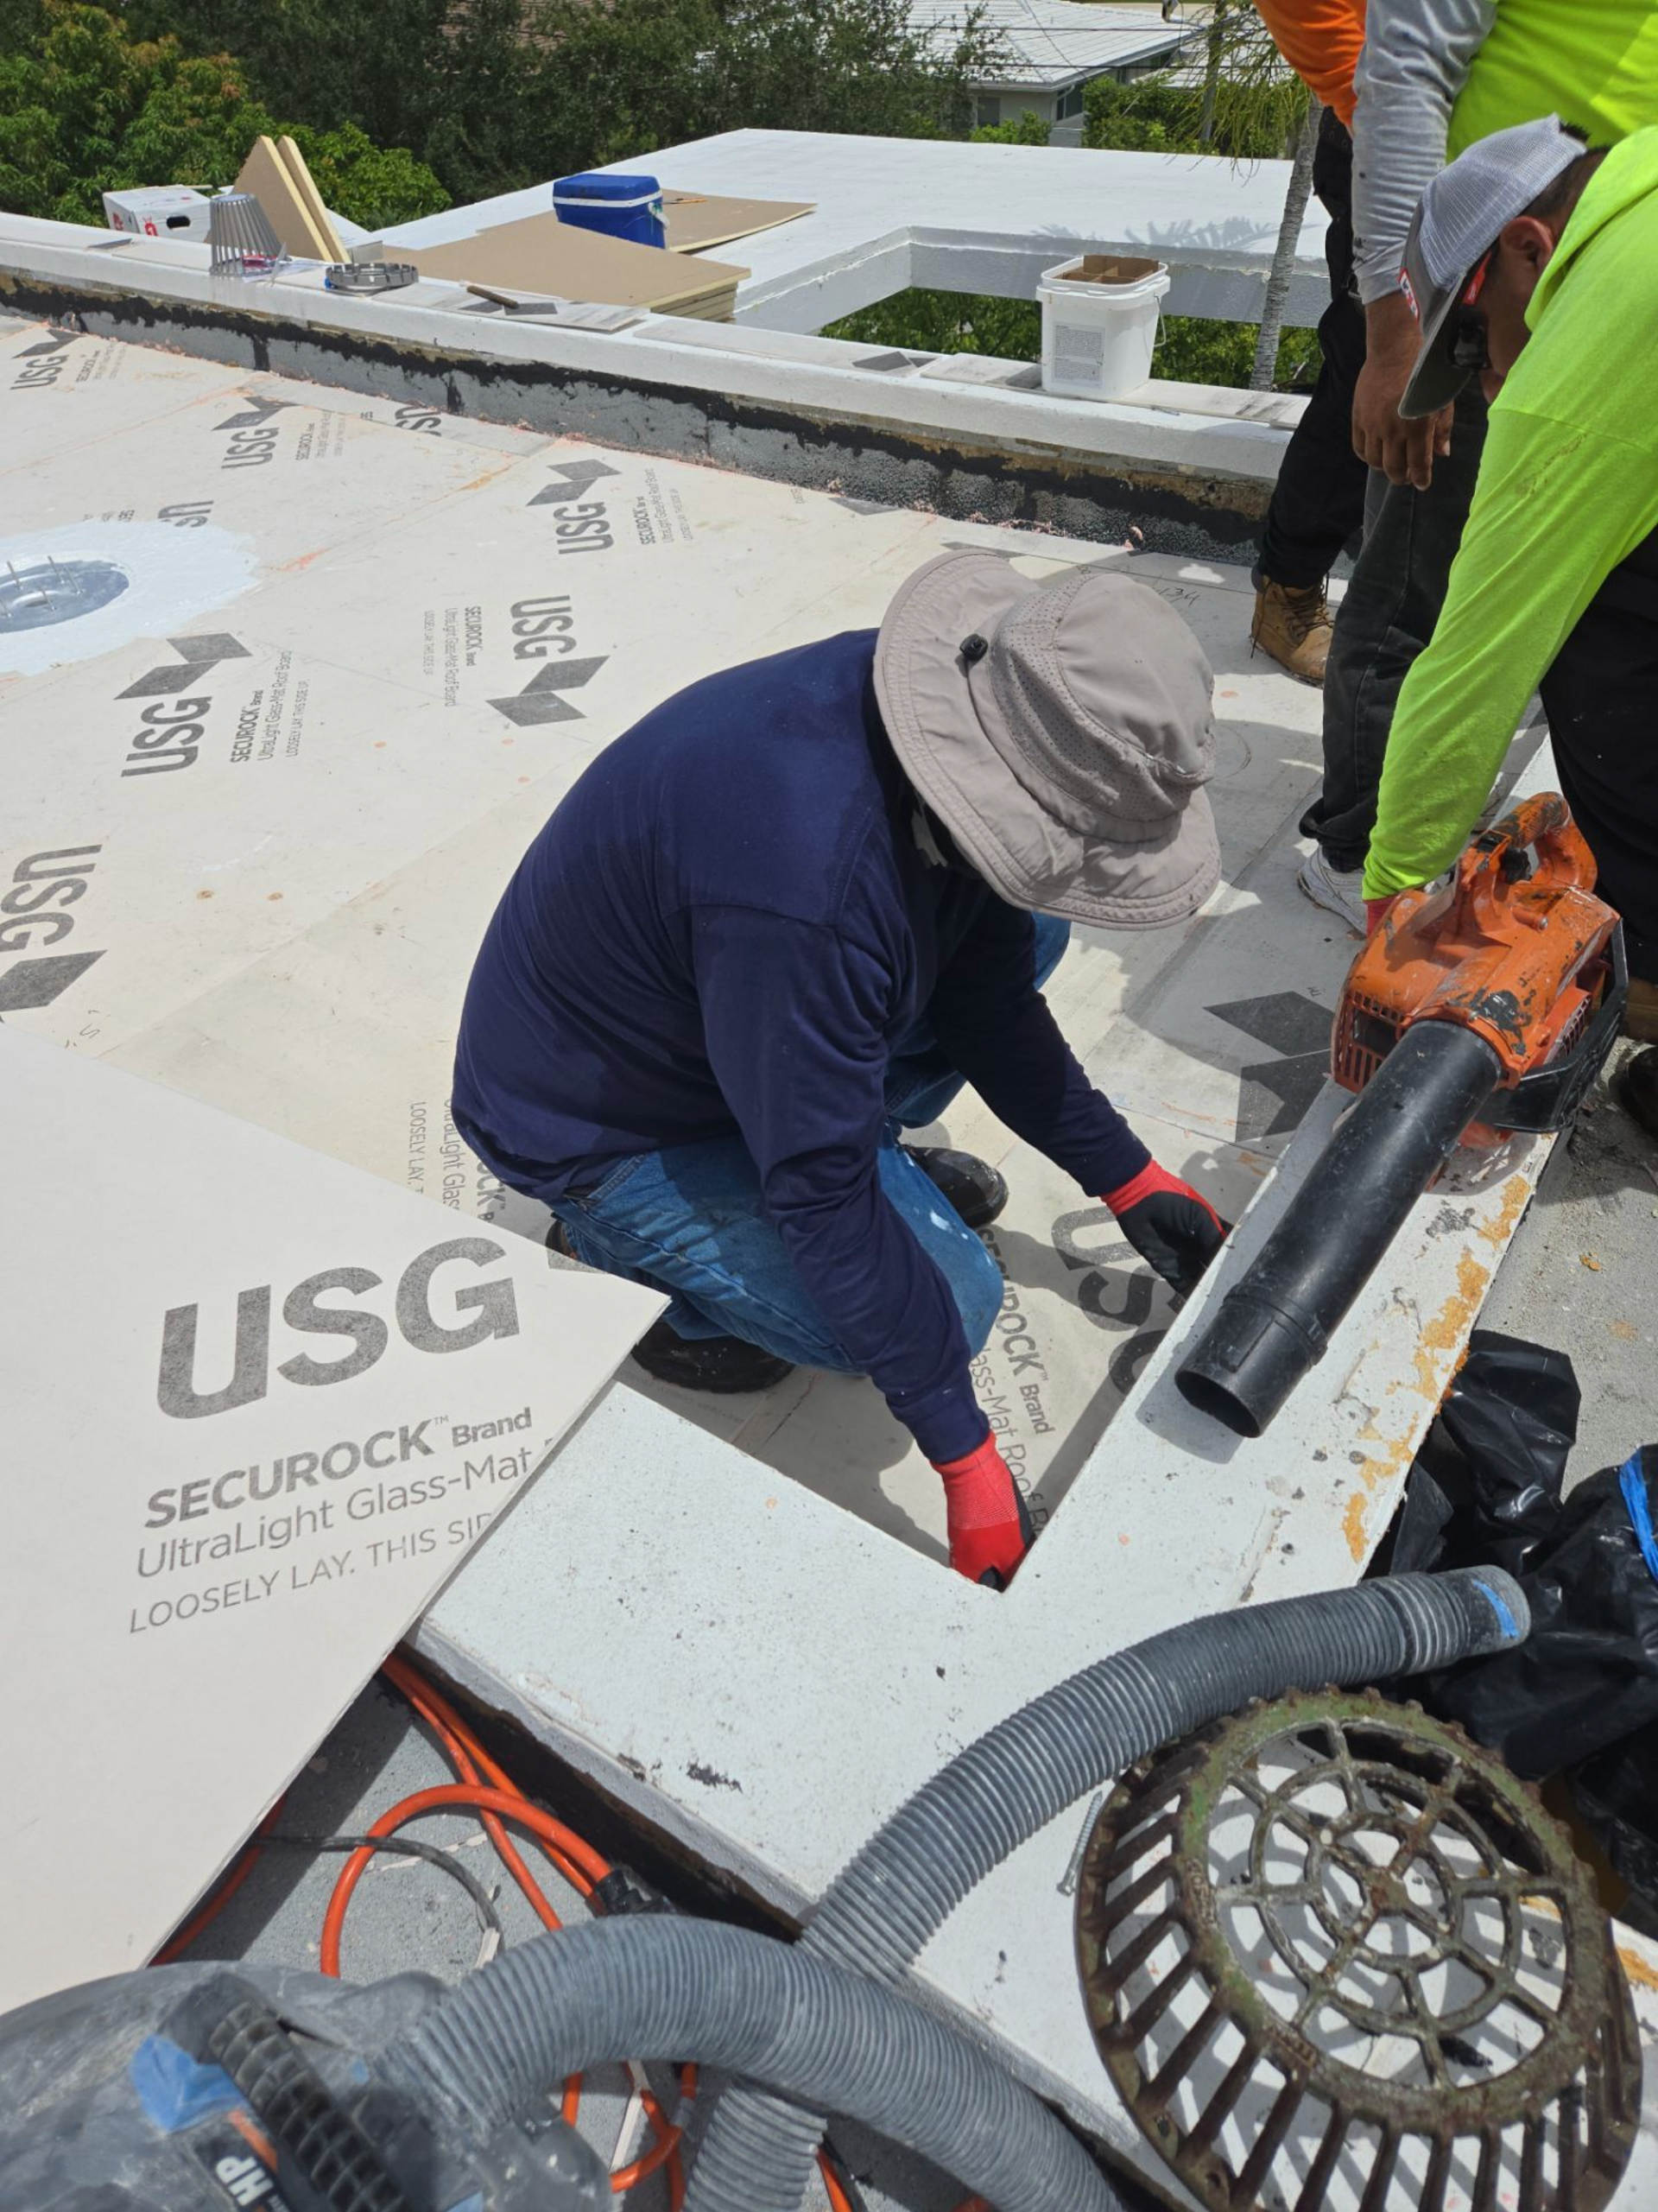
(1587, 1675)
(1511, 1417)
(1415, 1543)
(1617, 1792)
(1485, 1490)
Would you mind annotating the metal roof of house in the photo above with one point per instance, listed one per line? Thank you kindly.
(1051, 43)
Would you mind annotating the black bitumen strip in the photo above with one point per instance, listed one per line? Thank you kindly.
(892, 465)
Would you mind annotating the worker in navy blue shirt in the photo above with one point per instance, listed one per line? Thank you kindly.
(792, 911)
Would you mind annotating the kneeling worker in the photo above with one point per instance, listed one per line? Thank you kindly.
(793, 911)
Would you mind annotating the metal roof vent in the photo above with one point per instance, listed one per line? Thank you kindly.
(241, 239)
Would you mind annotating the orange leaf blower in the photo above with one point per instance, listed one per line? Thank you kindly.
(1480, 1010)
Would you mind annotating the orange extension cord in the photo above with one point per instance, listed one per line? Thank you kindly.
(485, 1788)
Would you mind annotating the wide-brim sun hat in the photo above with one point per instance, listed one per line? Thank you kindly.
(1062, 730)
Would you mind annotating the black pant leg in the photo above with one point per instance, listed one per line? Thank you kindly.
(1318, 503)
(1392, 603)
(1601, 697)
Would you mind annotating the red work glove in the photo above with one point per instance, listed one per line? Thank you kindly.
(990, 1530)
(1169, 1225)
(1376, 913)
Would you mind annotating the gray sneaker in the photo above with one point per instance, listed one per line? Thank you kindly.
(1339, 890)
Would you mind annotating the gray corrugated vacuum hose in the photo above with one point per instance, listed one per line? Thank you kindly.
(692, 1989)
(879, 1914)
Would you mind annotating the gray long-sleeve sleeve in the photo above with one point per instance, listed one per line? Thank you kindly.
(1416, 56)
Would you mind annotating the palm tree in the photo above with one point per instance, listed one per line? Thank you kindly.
(1247, 103)
(1283, 256)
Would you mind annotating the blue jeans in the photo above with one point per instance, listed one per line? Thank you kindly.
(691, 1220)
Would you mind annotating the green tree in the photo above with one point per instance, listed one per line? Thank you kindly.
(380, 64)
(856, 66)
(85, 110)
(615, 83)
(1027, 128)
(501, 93)
(1191, 349)
(1248, 105)
(20, 24)
(925, 322)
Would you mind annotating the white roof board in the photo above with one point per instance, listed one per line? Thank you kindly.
(240, 1431)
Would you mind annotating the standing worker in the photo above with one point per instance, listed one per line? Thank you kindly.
(1318, 503)
(793, 910)
(1533, 265)
(1436, 75)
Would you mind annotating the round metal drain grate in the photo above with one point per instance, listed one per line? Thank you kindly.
(42, 592)
(1338, 1959)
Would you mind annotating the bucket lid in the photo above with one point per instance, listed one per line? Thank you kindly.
(597, 184)
(1108, 275)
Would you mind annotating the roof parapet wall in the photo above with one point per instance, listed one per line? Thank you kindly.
(1186, 468)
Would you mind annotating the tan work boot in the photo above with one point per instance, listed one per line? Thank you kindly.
(1641, 1011)
(1293, 625)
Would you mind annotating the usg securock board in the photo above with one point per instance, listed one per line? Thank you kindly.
(361, 649)
(252, 1426)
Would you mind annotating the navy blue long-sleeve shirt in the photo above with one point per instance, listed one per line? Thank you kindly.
(725, 926)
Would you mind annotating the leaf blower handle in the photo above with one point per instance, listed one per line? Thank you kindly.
(1541, 824)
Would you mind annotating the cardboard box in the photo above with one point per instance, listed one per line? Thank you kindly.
(164, 210)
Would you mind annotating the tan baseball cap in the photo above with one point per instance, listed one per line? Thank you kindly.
(1062, 730)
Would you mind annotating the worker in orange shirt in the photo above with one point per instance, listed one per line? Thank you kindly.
(1318, 504)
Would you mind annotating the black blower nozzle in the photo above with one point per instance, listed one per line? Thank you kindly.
(1276, 1322)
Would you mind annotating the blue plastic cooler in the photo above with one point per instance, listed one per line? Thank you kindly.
(620, 207)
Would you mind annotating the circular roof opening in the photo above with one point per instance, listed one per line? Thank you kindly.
(42, 592)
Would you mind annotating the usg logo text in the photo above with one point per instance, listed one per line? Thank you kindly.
(493, 1307)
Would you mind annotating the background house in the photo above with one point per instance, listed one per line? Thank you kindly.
(1052, 50)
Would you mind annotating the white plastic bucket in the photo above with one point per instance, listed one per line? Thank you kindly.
(1099, 323)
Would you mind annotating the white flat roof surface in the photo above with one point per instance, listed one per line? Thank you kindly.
(1201, 213)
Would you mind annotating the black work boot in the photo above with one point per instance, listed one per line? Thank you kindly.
(973, 1187)
(1636, 1086)
(723, 1365)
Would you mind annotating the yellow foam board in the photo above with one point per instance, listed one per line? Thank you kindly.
(305, 184)
(265, 174)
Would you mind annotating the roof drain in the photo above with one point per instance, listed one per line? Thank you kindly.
(880, 1912)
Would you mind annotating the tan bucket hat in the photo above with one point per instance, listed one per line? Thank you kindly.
(1062, 731)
